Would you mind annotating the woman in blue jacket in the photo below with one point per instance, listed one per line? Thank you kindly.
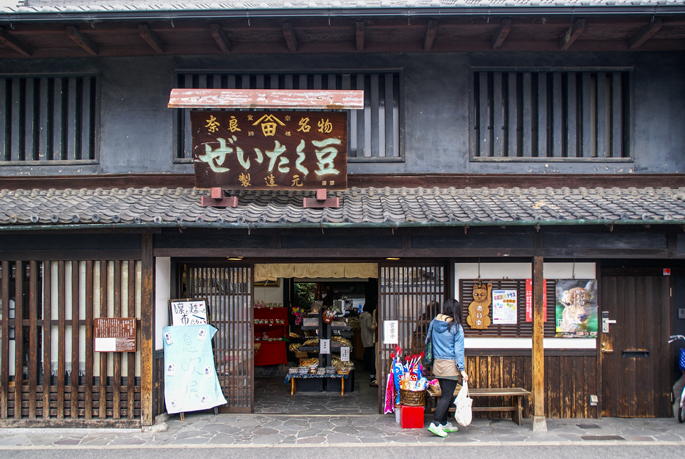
(448, 361)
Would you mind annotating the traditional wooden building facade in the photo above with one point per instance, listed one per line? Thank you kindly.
(499, 141)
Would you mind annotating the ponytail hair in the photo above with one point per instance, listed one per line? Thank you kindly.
(452, 308)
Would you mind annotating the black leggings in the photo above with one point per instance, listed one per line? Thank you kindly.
(447, 386)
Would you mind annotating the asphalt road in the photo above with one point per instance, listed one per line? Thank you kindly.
(359, 452)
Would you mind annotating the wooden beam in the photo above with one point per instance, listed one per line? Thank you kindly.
(501, 33)
(645, 33)
(360, 35)
(290, 38)
(572, 34)
(15, 44)
(431, 30)
(151, 38)
(147, 331)
(538, 378)
(293, 99)
(220, 38)
(85, 43)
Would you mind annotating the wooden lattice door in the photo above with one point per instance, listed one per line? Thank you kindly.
(412, 296)
(228, 290)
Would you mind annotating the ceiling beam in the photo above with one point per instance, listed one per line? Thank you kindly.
(431, 30)
(151, 38)
(645, 33)
(15, 44)
(572, 34)
(360, 35)
(220, 38)
(85, 43)
(290, 38)
(501, 34)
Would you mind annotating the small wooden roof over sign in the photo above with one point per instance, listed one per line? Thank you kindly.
(294, 99)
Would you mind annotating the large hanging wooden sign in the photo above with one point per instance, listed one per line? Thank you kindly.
(269, 150)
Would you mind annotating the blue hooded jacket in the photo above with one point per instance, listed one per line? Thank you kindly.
(447, 344)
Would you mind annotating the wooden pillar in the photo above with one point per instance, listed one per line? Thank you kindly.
(539, 423)
(147, 331)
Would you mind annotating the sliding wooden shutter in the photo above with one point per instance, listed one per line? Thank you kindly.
(410, 295)
(228, 291)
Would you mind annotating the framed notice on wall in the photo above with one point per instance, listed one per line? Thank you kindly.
(188, 312)
(115, 335)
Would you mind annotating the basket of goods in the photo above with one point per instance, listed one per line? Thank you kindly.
(412, 398)
(314, 342)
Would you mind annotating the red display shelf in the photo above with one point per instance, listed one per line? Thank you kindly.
(271, 352)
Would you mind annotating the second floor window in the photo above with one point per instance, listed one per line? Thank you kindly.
(564, 115)
(45, 119)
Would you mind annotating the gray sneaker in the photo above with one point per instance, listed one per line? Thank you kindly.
(449, 428)
(437, 430)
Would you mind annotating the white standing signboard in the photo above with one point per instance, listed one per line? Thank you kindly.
(344, 354)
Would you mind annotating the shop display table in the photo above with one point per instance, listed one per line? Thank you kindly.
(291, 377)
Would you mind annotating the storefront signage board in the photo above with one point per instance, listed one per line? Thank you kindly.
(260, 150)
(115, 335)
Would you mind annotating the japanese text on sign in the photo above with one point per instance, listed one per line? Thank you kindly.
(391, 332)
(529, 300)
(115, 335)
(264, 150)
(188, 312)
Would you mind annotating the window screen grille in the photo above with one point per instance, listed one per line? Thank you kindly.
(374, 132)
(523, 114)
(48, 118)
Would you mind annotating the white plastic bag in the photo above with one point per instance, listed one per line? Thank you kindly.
(463, 402)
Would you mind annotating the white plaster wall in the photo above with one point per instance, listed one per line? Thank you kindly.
(269, 294)
(162, 297)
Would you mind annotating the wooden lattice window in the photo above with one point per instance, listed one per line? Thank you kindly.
(45, 119)
(524, 115)
(374, 132)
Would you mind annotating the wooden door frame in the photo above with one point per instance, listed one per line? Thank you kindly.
(664, 327)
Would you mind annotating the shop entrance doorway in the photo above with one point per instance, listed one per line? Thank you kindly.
(634, 352)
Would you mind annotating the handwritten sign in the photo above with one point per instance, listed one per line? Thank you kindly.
(115, 335)
(345, 354)
(270, 150)
(391, 332)
(188, 312)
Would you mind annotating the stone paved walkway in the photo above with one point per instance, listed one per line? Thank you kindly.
(209, 431)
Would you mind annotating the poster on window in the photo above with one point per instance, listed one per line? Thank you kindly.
(504, 307)
(576, 308)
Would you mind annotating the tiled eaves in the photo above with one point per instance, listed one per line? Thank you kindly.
(159, 207)
(357, 6)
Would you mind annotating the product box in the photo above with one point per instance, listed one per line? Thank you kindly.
(411, 417)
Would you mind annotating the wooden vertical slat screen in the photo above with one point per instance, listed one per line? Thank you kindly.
(5, 357)
(411, 295)
(374, 132)
(228, 291)
(570, 114)
(66, 392)
(47, 118)
(18, 337)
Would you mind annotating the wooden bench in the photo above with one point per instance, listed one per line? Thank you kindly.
(516, 394)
